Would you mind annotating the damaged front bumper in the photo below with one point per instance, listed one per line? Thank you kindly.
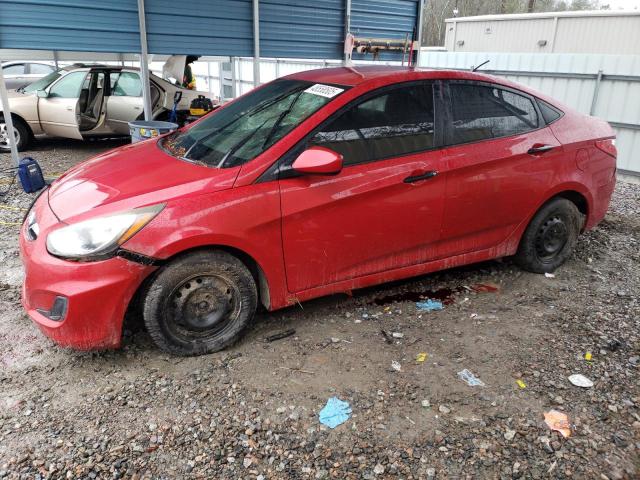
(79, 305)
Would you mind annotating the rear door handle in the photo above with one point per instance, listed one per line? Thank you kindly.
(422, 176)
(537, 148)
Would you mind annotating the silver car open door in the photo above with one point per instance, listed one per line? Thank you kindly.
(58, 106)
(124, 105)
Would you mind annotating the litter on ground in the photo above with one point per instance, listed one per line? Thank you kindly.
(470, 378)
(280, 335)
(588, 356)
(429, 305)
(521, 384)
(549, 275)
(558, 421)
(335, 412)
(396, 366)
(580, 381)
(421, 357)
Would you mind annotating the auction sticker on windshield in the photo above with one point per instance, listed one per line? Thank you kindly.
(324, 90)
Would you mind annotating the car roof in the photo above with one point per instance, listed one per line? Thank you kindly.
(357, 75)
(362, 75)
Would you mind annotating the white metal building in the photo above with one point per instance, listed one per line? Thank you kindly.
(599, 31)
(587, 60)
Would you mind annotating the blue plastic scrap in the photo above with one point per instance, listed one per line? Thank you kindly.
(429, 305)
(470, 378)
(335, 412)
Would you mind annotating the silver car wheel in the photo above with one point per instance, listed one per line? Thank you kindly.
(4, 136)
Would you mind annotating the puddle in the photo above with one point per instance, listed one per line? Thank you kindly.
(445, 295)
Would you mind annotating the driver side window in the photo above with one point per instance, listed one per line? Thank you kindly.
(394, 123)
(68, 86)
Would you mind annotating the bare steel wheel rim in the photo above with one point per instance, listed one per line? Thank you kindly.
(551, 238)
(202, 307)
(4, 135)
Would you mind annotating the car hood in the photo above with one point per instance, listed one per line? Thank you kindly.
(130, 177)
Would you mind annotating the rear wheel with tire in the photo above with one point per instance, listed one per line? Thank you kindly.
(200, 303)
(550, 237)
(21, 132)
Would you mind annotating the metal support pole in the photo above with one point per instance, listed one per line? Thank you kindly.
(234, 88)
(277, 68)
(4, 100)
(256, 43)
(55, 59)
(419, 27)
(144, 63)
(596, 90)
(347, 29)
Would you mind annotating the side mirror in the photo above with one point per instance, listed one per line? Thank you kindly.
(318, 161)
(42, 93)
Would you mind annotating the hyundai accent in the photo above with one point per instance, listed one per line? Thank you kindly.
(320, 182)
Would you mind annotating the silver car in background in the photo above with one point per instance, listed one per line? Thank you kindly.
(81, 101)
(19, 74)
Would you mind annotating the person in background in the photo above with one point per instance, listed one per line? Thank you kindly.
(189, 80)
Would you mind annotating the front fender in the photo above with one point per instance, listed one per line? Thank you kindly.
(244, 219)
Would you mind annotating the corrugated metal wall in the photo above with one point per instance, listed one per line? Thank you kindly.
(301, 29)
(572, 79)
(288, 28)
(203, 27)
(562, 32)
(70, 25)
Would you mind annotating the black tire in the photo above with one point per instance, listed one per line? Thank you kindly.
(550, 237)
(200, 303)
(24, 134)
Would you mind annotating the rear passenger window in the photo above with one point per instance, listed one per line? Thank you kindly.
(394, 123)
(481, 112)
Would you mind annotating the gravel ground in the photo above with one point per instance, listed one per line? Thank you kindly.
(252, 411)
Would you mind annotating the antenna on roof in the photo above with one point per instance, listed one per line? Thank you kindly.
(482, 64)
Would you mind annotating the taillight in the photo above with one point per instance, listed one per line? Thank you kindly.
(608, 146)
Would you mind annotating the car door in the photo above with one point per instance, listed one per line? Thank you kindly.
(384, 209)
(500, 161)
(124, 104)
(15, 75)
(59, 110)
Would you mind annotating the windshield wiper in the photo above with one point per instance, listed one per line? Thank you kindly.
(228, 124)
(280, 118)
(238, 145)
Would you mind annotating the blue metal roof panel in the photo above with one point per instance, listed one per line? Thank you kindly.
(221, 27)
(288, 28)
(72, 25)
(383, 18)
(301, 29)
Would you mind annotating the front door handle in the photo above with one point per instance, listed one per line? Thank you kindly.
(421, 176)
(538, 148)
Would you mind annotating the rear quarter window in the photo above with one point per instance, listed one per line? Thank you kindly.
(549, 113)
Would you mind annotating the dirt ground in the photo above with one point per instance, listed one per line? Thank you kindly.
(252, 411)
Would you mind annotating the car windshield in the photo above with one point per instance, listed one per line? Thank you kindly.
(248, 126)
(42, 83)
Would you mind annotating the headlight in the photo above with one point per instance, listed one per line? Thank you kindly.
(100, 236)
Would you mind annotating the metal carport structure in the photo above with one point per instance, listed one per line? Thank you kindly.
(250, 28)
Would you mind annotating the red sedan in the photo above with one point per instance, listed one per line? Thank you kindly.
(320, 182)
